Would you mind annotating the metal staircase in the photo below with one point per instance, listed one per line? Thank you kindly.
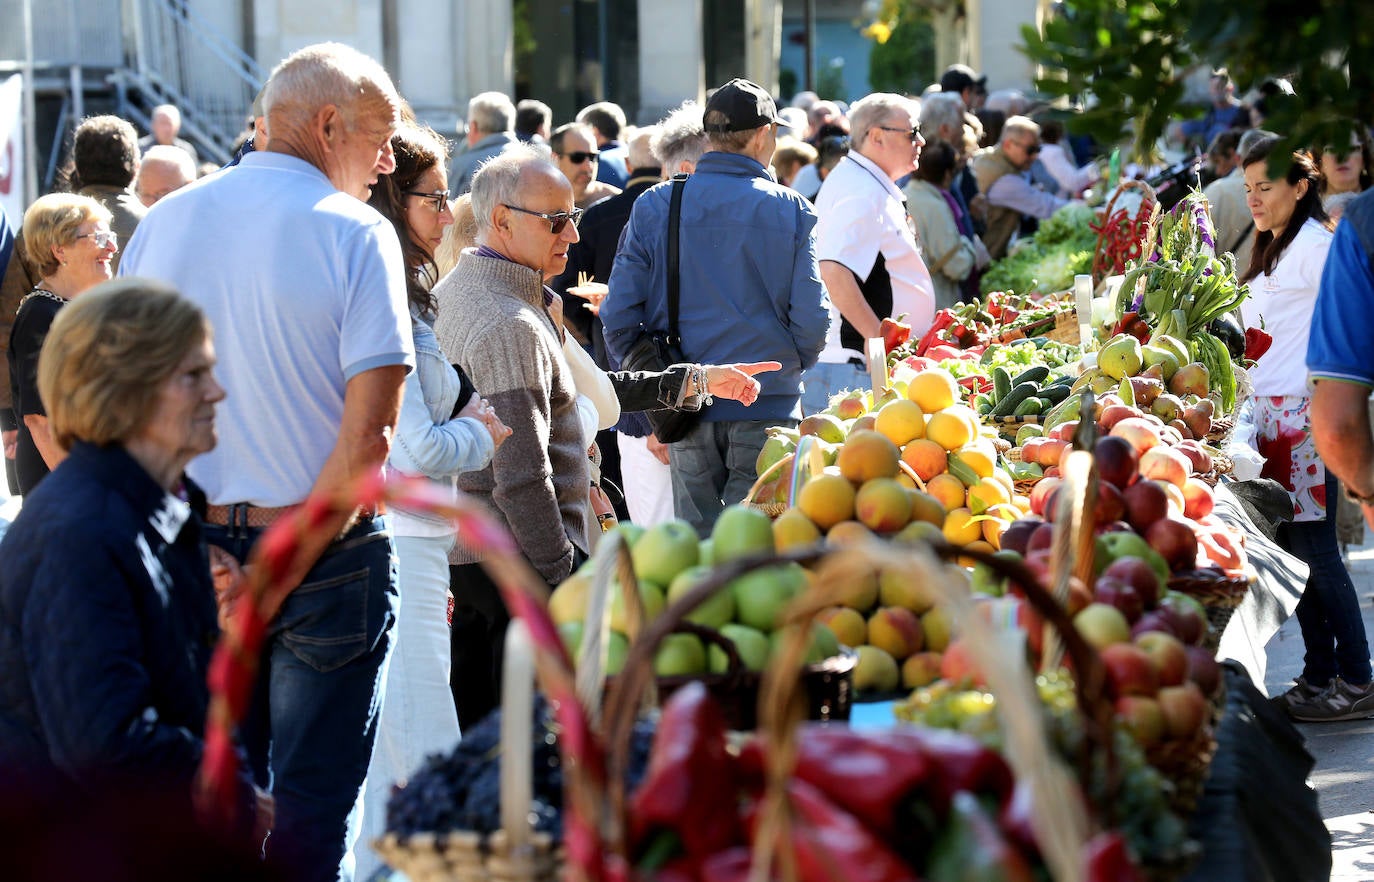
(126, 57)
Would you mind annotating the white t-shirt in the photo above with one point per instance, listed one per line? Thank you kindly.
(1282, 303)
(863, 215)
(305, 289)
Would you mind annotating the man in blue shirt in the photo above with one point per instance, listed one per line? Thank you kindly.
(750, 291)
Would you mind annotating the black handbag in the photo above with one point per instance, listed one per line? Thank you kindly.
(657, 350)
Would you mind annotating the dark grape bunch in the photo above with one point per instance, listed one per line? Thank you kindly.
(462, 790)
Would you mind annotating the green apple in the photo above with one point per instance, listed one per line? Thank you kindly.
(751, 644)
(680, 655)
(629, 532)
(740, 531)
(571, 635)
(1111, 546)
(713, 612)
(568, 602)
(650, 596)
(762, 595)
(822, 645)
(664, 550)
(706, 552)
(617, 648)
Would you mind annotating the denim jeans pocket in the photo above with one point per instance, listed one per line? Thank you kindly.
(325, 622)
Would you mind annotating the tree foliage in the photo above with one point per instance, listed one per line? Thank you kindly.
(903, 55)
(1133, 56)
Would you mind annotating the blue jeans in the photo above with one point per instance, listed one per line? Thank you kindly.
(310, 729)
(1329, 611)
(826, 379)
(714, 467)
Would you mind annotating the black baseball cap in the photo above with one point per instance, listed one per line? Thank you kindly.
(958, 77)
(745, 105)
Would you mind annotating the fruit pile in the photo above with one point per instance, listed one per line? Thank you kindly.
(668, 562)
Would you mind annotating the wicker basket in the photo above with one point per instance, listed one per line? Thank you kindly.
(1100, 271)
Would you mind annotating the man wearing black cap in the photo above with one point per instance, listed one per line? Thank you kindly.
(962, 81)
(750, 291)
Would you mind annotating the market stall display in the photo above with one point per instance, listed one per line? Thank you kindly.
(1046, 262)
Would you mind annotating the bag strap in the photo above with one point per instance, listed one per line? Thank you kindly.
(674, 215)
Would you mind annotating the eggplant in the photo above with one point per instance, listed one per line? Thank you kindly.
(1226, 329)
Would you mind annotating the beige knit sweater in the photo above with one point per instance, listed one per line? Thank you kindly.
(493, 323)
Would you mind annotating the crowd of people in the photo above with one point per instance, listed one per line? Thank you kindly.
(349, 296)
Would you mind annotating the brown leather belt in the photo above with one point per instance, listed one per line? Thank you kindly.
(245, 515)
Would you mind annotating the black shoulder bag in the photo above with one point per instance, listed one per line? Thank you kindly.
(657, 350)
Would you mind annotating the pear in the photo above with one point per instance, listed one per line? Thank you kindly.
(1199, 418)
(823, 426)
(1174, 345)
(774, 449)
(1146, 390)
(1167, 406)
(1121, 357)
(1164, 359)
(1191, 379)
(1102, 384)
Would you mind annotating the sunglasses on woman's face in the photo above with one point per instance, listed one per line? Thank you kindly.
(558, 221)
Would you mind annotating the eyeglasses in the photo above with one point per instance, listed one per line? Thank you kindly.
(580, 156)
(102, 238)
(1031, 149)
(558, 221)
(914, 134)
(437, 201)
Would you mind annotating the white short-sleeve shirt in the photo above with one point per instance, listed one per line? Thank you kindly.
(1282, 303)
(863, 216)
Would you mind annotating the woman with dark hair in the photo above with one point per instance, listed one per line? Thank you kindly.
(953, 252)
(444, 429)
(1292, 237)
(1345, 172)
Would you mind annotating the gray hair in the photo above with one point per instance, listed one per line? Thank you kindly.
(1019, 125)
(641, 151)
(170, 111)
(1251, 138)
(168, 154)
(943, 110)
(498, 180)
(604, 116)
(1009, 101)
(491, 112)
(873, 110)
(323, 74)
(681, 137)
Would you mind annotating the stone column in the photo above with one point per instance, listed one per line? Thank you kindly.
(763, 42)
(481, 49)
(671, 56)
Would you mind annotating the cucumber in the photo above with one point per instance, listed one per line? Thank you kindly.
(1034, 374)
(1056, 392)
(1029, 407)
(1009, 402)
(1001, 383)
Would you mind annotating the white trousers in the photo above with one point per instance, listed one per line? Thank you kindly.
(648, 482)
(418, 717)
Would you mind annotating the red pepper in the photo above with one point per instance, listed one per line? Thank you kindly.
(943, 319)
(831, 845)
(894, 333)
(691, 784)
(1257, 342)
(958, 762)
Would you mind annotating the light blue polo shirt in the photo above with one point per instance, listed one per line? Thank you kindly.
(305, 288)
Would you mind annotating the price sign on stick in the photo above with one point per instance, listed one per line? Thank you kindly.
(876, 353)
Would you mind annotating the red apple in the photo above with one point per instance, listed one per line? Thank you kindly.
(1142, 717)
(1017, 534)
(1175, 541)
(1164, 464)
(1187, 616)
(1168, 656)
(1198, 500)
(1129, 668)
(1142, 433)
(1158, 620)
(1116, 593)
(1041, 490)
(1204, 670)
(1139, 575)
(1146, 502)
(1185, 709)
(1111, 505)
(1041, 538)
(1116, 460)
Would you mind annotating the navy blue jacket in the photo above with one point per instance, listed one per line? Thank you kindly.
(750, 284)
(107, 623)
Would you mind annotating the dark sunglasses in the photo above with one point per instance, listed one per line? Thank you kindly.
(1031, 149)
(914, 134)
(579, 157)
(558, 221)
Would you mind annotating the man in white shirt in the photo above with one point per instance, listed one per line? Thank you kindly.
(865, 243)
